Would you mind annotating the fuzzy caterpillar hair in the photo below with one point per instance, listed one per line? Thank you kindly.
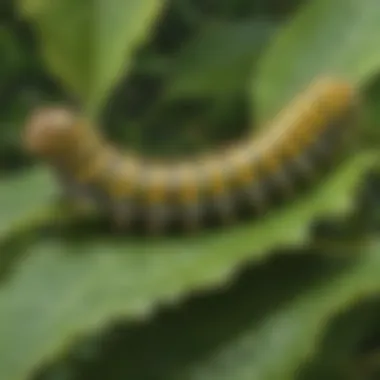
(243, 180)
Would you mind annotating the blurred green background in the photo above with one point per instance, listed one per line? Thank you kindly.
(291, 296)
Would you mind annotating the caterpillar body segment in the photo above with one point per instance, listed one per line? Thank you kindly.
(244, 179)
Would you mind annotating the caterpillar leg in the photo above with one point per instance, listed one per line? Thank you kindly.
(75, 195)
(123, 214)
(157, 218)
(191, 216)
(283, 181)
(254, 195)
(224, 206)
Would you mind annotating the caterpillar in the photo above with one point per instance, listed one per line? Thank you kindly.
(239, 181)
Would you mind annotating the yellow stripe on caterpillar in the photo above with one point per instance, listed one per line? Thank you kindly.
(122, 179)
(186, 182)
(156, 189)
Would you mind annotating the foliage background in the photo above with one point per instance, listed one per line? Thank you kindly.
(294, 296)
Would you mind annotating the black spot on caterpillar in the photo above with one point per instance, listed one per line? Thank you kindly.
(241, 181)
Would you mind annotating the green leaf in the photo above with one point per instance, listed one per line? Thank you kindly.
(267, 326)
(332, 37)
(90, 45)
(349, 339)
(23, 195)
(62, 288)
(371, 111)
(14, 57)
(219, 59)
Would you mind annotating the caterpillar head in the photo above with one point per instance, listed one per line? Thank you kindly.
(52, 131)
